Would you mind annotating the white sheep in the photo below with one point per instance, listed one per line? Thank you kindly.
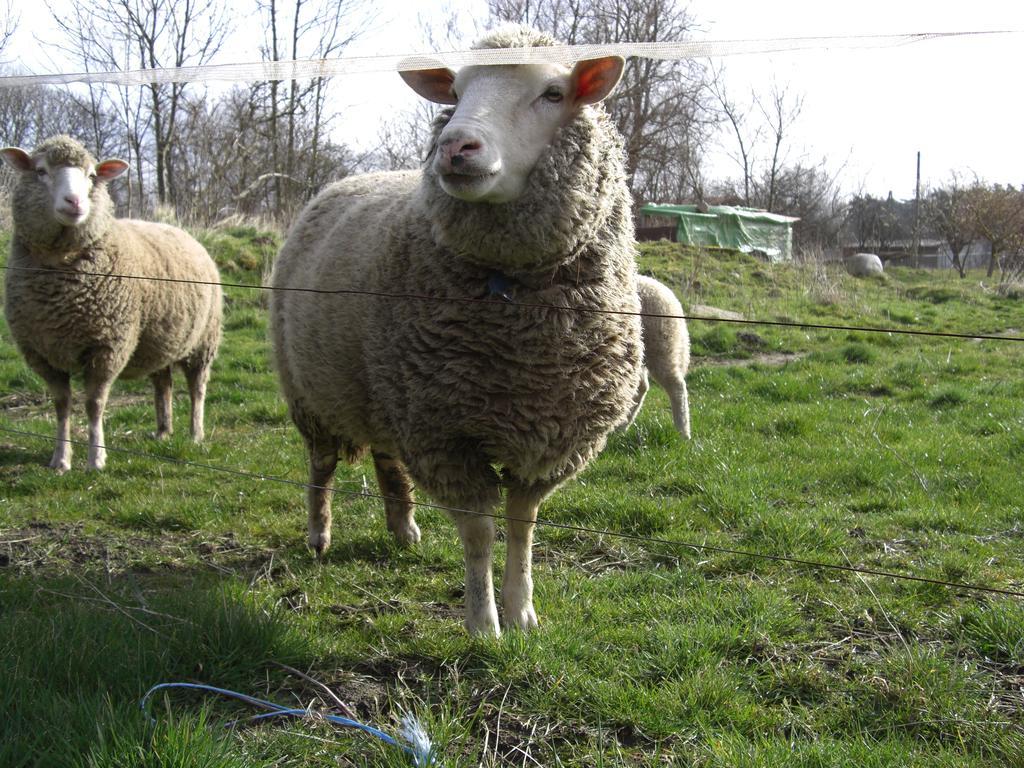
(666, 351)
(863, 264)
(69, 310)
(482, 384)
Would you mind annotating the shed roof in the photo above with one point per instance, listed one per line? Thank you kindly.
(754, 214)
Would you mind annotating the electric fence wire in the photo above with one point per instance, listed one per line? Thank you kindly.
(670, 543)
(500, 301)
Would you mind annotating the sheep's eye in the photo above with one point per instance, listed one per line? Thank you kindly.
(93, 177)
(40, 172)
(553, 95)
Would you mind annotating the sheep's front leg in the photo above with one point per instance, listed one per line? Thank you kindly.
(197, 375)
(96, 393)
(517, 584)
(396, 488)
(59, 385)
(162, 400)
(460, 477)
(323, 460)
(477, 534)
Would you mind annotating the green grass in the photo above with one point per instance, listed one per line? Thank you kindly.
(891, 452)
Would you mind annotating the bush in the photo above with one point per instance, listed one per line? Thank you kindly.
(1011, 290)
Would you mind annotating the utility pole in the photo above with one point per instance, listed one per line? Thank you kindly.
(917, 216)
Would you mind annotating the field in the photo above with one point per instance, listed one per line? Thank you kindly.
(883, 451)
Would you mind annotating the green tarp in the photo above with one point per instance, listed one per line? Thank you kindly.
(728, 226)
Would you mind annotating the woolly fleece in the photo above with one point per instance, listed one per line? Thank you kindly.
(666, 351)
(449, 385)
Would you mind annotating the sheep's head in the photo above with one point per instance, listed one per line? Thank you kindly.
(504, 117)
(63, 174)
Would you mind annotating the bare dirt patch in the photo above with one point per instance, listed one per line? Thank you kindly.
(66, 547)
(31, 403)
(17, 401)
(759, 358)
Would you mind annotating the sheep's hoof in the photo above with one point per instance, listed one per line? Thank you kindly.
(162, 434)
(483, 626)
(96, 464)
(319, 542)
(406, 535)
(60, 464)
(524, 619)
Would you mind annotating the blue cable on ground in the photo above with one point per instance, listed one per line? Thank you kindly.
(418, 748)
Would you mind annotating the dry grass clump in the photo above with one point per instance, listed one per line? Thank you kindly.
(821, 284)
(165, 214)
(1011, 290)
(7, 181)
(237, 220)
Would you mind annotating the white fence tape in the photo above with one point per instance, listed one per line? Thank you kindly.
(304, 69)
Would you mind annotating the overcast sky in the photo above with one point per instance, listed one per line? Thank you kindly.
(951, 99)
(867, 111)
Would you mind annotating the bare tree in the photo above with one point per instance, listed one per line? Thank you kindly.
(223, 162)
(447, 26)
(146, 34)
(747, 137)
(1012, 263)
(760, 129)
(876, 224)
(402, 140)
(997, 215)
(8, 23)
(28, 114)
(169, 33)
(811, 192)
(779, 113)
(948, 211)
(862, 220)
(307, 29)
(557, 17)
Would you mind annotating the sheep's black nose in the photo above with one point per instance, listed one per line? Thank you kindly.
(457, 151)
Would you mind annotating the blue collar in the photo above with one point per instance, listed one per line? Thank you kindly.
(499, 285)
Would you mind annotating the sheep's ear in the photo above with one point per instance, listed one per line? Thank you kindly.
(595, 78)
(110, 169)
(18, 159)
(432, 84)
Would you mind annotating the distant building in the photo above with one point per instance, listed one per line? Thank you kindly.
(932, 254)
(723, 226)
